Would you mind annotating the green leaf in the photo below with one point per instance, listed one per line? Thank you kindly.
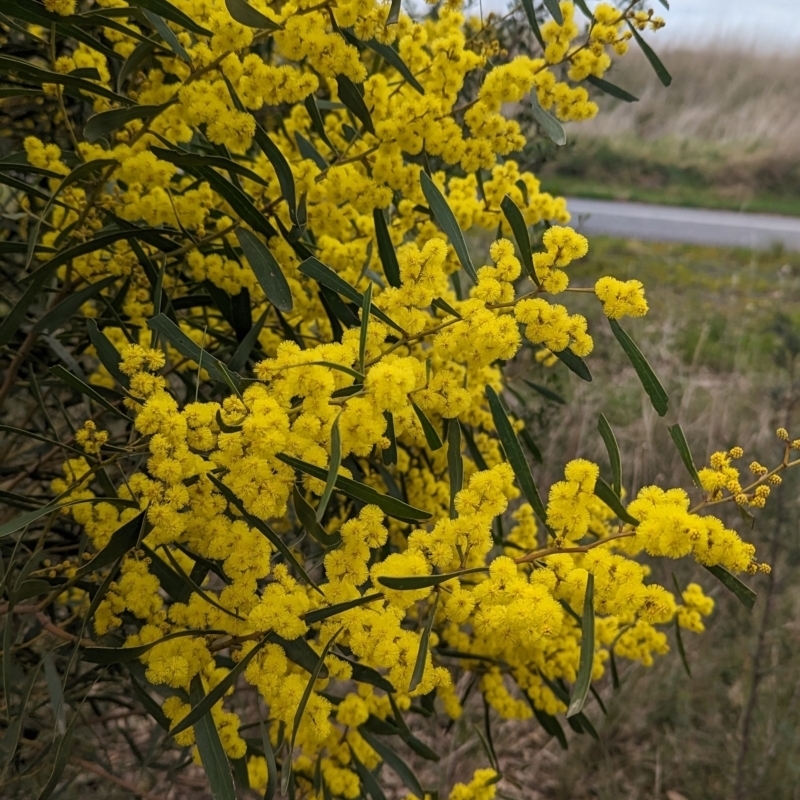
(333, 468)
(237, 200)
(584, 8)
(123, 539)
(366, 305)
(190, 161)
(422, 654)
(27, 71)
(320, 614)
(170, 12)
(513, 450)
(391, 19)
(575, 363)
(530, 13)
(389, 455)
(678, 635)
(108, 354)
(121, 655)
(164, 326)
(679, 438)
(282, 170)
(431, 434)
(655, 391)
(410, 582)
(136, 60)
(611, 499)
(584, 679)
(393, 58)
(262, 528)
(655, 61)
(369, 783)
(239, 358)
(67, 308)
(307, 150)
(102, 124)
(527, 439)
(611, 89)
(455, 464)
(400, 768)
(613, 453)
(76, 383)
(324, 275)
(245, 14)
(203, 707)
(305, 515)
(550, 126)
(746, 596)
(555, 11)
(298, 717)
(447, 222)
(350, 95)
(272, 767)
(443, 305)
(215, 762)
(316, 120)
(360, 491)
(545, 392)
(266, 269)
(520, 230)
(386, 251)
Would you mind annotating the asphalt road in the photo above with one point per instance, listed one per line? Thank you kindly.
(688, 225)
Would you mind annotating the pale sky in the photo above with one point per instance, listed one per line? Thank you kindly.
(730, 21)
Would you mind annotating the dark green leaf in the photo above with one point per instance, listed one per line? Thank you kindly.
(655, 61)
(391, 19)
(307, 150)
(410, 582)
(68, 307)
(366, 305)
(575, 363)
(324, 275)
(262, 528)
(245, 14)
(455, 464)
(545, 392)
(528, 441)
(102, 124)
(393, 58)
(298, 717)
(272, 767)
(239, 358)
(108, 354)
(386, 251)
(333, 468)
(165, 9)
(550, 126)
(613, 453)
(442, 305)
(76, 383)
(584, 8)
(215, 762)
(282, 170)
(513, 450)
(135, 61)
(431, 434)
(316, 120)
(520, 230)
(360, 491)
(611, 499)
(203, 707)
(121, 655)
(679, 437)
(369, 783)
(447, 222)
(266, 269)
(584, 679)
(320, 614)
(611, 89)
(746, 596)
(39, 438)
(678, 635)
(555, 10)
(350, 95)
(365, 674)
(530, 13)
(123, 539)
(390, 453)
(305, 515)
(299, 652)
(655, 391)
(164, 326)
(549, 723)
(189, 161)
(400, 768)
(422, 654)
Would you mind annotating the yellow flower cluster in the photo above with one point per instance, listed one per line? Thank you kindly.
(322, 501)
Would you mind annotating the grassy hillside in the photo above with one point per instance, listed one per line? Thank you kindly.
(725, 134)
